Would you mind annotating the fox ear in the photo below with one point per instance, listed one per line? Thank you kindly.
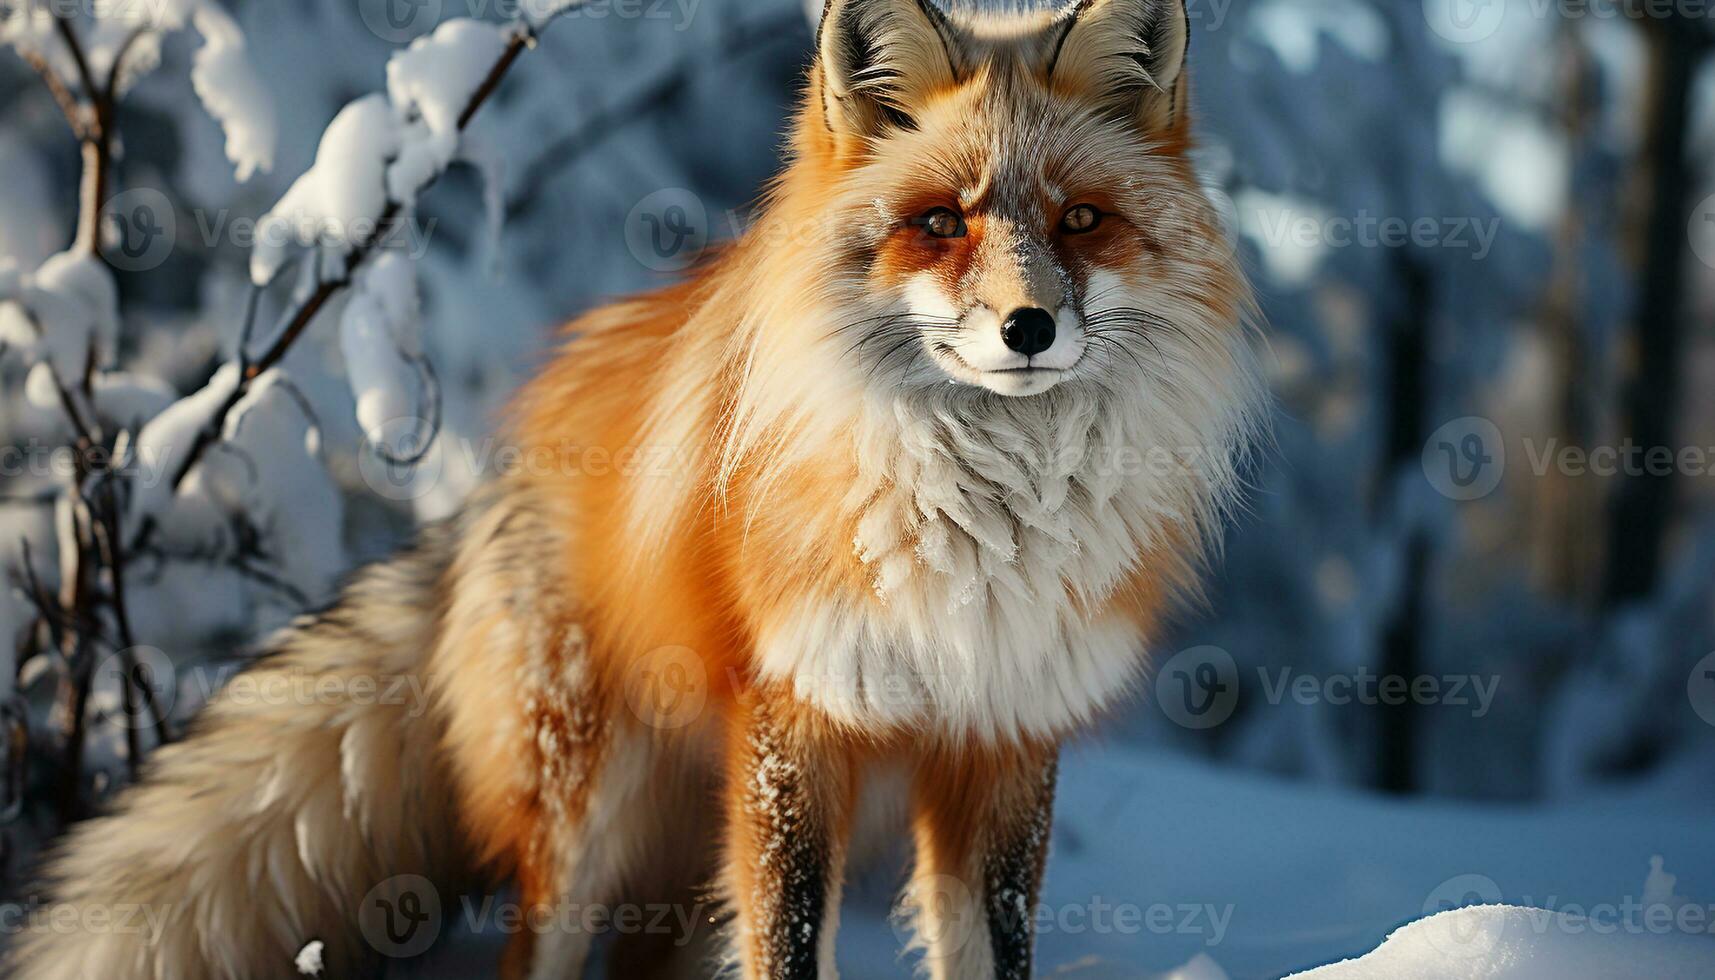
(1128, 55)
(878, 60)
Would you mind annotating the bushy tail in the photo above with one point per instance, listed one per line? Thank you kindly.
(311, 782)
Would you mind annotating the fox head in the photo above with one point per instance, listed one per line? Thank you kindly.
(1008, 197)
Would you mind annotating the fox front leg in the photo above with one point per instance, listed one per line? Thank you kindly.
(789, 807)
(981, 818)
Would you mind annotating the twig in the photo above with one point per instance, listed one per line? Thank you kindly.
(300, 320)
(63, 96)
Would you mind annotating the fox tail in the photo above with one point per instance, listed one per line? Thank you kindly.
(309, 803)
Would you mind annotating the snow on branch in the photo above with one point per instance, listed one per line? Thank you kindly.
(92, 61)
(229, 477)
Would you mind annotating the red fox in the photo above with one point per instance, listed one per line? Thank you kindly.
(907, 486)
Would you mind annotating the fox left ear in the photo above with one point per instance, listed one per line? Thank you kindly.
(1129, 55)
(879, 59)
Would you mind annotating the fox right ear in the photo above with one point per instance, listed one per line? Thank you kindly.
(1127, 55)
(879, 59)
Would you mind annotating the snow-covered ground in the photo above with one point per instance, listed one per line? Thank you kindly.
(1166, 869)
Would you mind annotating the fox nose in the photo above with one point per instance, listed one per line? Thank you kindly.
(1029, 330)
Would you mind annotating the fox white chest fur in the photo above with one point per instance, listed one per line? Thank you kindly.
(994, 531)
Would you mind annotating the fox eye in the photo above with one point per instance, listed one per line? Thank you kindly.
(942, 223)
(1080, 218)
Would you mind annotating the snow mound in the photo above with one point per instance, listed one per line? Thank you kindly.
(1507, 942)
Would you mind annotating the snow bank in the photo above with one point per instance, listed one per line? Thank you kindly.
(1505, 942)
(1230, 874)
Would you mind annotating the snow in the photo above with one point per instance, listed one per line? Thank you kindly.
(381, 149)
(337, 201)
(228, 86)
(73, 311)
(128, 399)
(271, 471)
(378, 330)
(1504, 942)
(430, 84)
(537, 13)
(309, 960)
(41, 388)
(1258, 877)
(164, 444)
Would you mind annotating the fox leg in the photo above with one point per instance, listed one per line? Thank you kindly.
(981, 819)
(789, 808)
(668, 934)
(580, 860)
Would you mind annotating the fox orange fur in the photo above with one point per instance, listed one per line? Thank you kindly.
(905, 478)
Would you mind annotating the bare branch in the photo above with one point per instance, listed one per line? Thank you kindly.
(312, 305)
(419, 445)
(63, 97)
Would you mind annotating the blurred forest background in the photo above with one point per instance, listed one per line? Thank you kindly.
(1554, 162)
